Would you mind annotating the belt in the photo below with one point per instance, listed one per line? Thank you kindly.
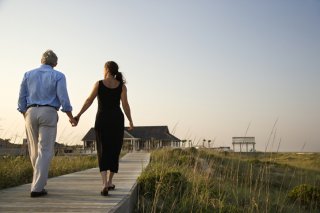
(38, 105)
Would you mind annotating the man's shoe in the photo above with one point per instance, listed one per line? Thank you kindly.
(39, 194)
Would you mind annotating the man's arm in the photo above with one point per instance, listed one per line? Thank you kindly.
(22, 101)
(62, 94)
(63, 97)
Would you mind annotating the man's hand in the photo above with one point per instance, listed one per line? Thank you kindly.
(73, 121)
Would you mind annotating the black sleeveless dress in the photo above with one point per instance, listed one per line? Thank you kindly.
(109, 127)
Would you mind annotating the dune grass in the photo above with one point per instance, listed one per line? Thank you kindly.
(193, 180)
(15, 171)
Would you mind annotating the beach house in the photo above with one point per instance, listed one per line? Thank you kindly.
(140, 138)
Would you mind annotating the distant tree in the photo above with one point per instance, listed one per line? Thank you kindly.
(209, 141)
(4, 142)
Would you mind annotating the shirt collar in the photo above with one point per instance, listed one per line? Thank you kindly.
(46, 66)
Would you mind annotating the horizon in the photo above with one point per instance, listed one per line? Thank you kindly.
(200, 147)
(206, 69)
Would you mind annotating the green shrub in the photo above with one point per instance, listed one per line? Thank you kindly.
(186, 160)
(147, 184)
(255, 161)
(193, 150)
(160, 193)
(169, 184)
(231, 209)
(306, 195)
(173, 184)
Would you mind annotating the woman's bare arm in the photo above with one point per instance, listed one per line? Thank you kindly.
(89, 100)
(126, 106)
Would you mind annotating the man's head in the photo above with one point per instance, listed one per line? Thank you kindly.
(49, 58)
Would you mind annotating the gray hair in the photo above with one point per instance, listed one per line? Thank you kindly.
(49, 58)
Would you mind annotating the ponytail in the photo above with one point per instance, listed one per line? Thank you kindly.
(120, 78)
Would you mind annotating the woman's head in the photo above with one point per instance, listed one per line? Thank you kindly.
(112, 68)
(49, 58)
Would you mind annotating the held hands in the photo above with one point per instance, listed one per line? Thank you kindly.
(77, 118)
(73, 121)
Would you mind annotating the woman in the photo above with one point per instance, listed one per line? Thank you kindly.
(109, 123)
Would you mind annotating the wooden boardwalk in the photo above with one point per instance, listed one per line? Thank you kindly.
(80, 191)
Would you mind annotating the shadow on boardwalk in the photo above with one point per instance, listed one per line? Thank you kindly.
(80, 191)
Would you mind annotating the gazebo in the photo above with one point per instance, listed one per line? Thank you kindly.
(247, 142)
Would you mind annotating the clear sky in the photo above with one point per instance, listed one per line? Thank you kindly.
(207, 68)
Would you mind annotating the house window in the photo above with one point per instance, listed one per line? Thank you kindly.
(90, 145)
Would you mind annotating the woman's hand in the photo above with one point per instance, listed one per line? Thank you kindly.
(73, 122)
(130, 125)
(77, 118)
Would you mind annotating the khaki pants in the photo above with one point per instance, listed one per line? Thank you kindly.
(41, 129)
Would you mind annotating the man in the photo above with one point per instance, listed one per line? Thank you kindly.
(42, 92)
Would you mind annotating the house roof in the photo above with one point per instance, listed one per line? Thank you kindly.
(141, 132)
(90, 136)
(152, 132)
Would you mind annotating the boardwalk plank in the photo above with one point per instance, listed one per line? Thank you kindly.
(79, 191)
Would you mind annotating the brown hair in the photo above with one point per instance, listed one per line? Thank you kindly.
(113, 68)
(49, 58)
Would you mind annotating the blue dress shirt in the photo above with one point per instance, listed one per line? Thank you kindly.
(44, 86)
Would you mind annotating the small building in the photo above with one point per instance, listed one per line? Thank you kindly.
(140, 138)
(247, 142)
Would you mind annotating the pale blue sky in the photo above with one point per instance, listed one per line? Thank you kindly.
(207, 69)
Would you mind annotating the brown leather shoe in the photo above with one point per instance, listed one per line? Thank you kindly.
(39, 194)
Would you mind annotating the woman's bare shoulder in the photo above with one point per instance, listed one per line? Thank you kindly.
(124, 87)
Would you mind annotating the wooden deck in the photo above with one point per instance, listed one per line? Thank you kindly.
(80, 191)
